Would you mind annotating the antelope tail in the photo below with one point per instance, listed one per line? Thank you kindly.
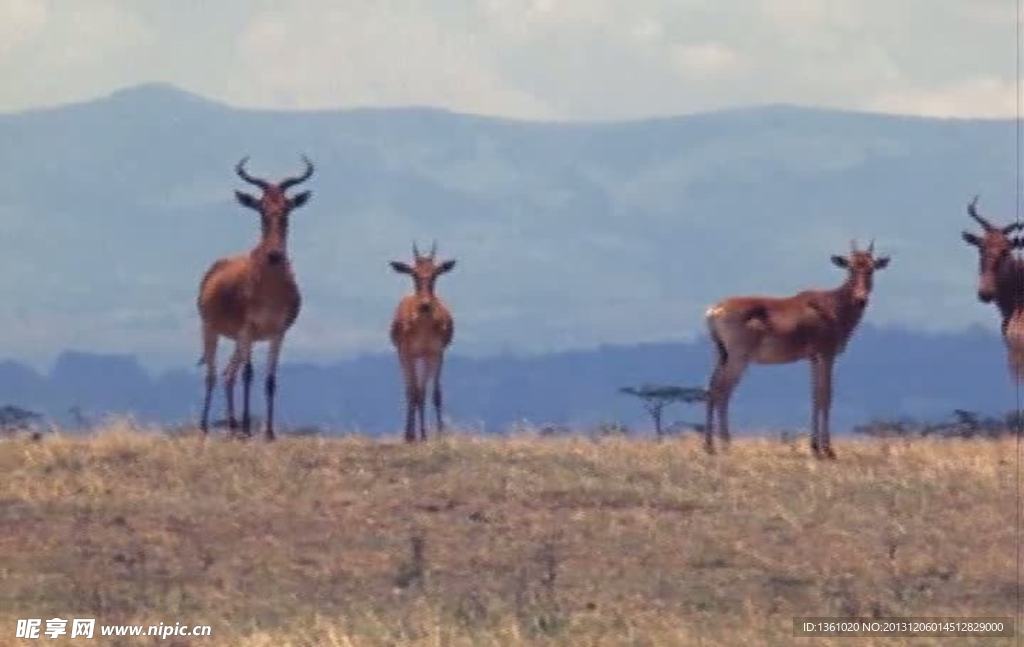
(710, 317)
(1014, 335)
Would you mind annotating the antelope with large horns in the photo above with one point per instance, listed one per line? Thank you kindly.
(252, 297)
(421, 331)
(1001, 279)
(815, 325)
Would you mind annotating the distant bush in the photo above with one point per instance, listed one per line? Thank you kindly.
(960, 424)
(15, 419)
(611, 429)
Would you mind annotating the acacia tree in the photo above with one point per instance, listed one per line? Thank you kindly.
(14, 418)
(656, 397)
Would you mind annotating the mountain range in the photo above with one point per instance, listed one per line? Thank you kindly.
(568, 236)
(587, 253)
(885, 374)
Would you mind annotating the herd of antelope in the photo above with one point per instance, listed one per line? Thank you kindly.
(254, 297)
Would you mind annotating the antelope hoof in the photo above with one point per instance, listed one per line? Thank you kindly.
(829, 454)
(709, 448)
(270, 435)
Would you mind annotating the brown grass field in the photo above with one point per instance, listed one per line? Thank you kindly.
(501, 542)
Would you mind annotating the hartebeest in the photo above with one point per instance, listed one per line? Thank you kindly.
(815, 325)
(252, 297)
(1001, 279)
(421, 331)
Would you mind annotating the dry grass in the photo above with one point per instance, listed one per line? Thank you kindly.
(501, 542)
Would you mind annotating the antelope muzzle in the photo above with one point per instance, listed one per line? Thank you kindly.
(275, 257)
(860, 297)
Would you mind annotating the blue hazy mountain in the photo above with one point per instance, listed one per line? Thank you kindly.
(568, 235)
(885, 373)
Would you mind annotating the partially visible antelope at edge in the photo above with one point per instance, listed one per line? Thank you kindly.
(421, 331)
(251, 298)
(1001, 279)
(815, 325)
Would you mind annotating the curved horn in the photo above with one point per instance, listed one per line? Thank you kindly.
(871, 246)
(433, 249)
(292, 181)
(1011, 227)
(240, 169)
(972, 211)
(415, 250)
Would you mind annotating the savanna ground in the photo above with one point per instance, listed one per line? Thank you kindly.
(501, 542)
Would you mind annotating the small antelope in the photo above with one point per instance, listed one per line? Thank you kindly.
(1001, 279)
(421, 331)
(814, 325)
(251, 298)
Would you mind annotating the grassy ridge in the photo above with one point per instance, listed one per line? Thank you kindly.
(501, 542)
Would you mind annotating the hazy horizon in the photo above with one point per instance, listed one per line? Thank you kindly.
(566, 60)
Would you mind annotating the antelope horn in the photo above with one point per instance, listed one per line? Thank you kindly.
(853, 245)
(433, 249)
(292, 181)
(972, 211)
(871, 246)
(240, 169)
(415, 250)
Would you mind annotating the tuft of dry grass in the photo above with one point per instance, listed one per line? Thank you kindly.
(501, 542)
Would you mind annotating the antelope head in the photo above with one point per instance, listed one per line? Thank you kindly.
(994, 247)
(424, 272)
(861, 266)
(274, 208)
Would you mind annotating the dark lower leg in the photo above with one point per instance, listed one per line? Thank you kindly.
(421, 410)
(815, 408)
(723, 418)
(438, 398)
(437, 407)
(729, 378)
(271, 388)
(709, 424)
(826, 406)
(246, 389)
(211, 379)
(714, 385)
(229, 400)
(410, 417)
(410, 410)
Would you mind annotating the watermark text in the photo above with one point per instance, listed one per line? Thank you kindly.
(86, 628)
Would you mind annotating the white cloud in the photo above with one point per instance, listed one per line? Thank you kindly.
(20, 21)
(369, 55)
(706, 61)
(566, 59)
(984, 97)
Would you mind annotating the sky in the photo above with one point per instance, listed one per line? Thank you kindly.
(532, 59)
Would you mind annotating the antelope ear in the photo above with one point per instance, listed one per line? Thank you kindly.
(1018, 243)
(401, 267)
(971, 239)
(881, 262)
(840, 261)
(446, 266)
(299, 199)
(247, 200)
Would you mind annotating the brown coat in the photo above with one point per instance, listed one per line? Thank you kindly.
(421, 331)
(1001, 280)
(251, 298)
(813, 325)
